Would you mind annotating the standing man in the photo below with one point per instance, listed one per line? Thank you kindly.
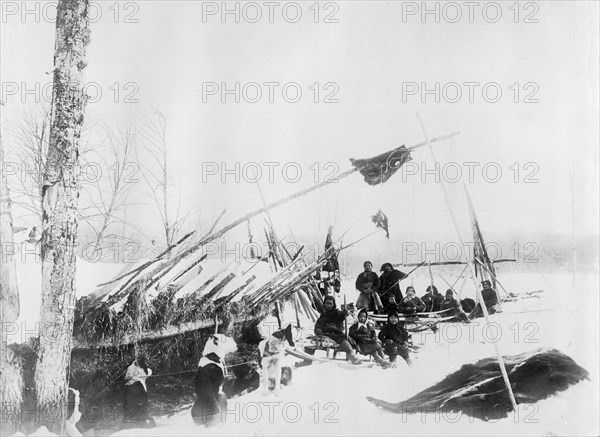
(389, 283)
(490, 298)
(367, 284)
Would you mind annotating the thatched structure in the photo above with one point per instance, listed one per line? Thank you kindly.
(160, 299)
(166, 307)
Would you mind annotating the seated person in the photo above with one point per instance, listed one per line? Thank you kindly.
(331, 324)
(467, 304)
(395, 338)
(363, 333)
(367, 284)
(412, 303)
(433, 299)
(352, 316)
(391, 306)
(453, 306)
(490, 298)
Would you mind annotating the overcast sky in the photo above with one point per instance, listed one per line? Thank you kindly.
(376, 60)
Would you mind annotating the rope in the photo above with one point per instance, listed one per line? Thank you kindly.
(360, 217)
(109, 384)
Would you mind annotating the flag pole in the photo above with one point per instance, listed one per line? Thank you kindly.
(479, 296)
(213, 236)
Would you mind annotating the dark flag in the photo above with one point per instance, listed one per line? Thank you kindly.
(380, 168)
(479, 249)
(332, 262)
(381, 221)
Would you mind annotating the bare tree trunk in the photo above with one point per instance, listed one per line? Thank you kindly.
(156, 175)
(103, 211)
(29, 143)
(59, 212)
(11, 381)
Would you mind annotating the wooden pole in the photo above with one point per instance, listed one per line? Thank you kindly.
(345, 318)
(462, 287)
(300, 193)
(479, 296)
(448, 283)
(212, 228)
(208, 238)
(398, 281)
(258, 211)
(430, 276)
(459, 276)
(493, 276)
(148, 263)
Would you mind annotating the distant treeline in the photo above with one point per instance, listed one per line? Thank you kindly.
(549, 253)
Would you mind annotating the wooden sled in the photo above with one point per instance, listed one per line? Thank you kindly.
(343, 364)
(322, 343)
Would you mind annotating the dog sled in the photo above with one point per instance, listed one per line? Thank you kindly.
(417, 322)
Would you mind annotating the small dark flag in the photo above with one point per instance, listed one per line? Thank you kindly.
(381, 221)
(332, 262)
(380, 168)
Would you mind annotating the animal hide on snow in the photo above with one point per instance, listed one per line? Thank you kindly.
(478, 389)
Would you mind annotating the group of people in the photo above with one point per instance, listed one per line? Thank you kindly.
(382, 294)
(361, 337)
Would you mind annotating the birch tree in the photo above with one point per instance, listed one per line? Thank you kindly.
(11, 382)
(60, 194)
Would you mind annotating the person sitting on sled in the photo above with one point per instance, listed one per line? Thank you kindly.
(453, 307)
(367, 284)
(391, 305)
(331, 324)
(433, 299)
(412, 303)
(394, 338)
(490, 298)
(367, 343)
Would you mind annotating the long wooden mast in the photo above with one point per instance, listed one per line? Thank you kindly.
(479, 296)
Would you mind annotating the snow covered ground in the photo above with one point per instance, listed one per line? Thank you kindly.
(330, 398)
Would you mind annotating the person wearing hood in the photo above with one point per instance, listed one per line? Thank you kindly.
(394, 338)
(453, 307)
(412, 303)
(432, 299)
(389, 283)
(331, 324)
(367, 284)
(367, 343)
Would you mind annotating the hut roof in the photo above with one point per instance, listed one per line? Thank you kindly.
(159, 298)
